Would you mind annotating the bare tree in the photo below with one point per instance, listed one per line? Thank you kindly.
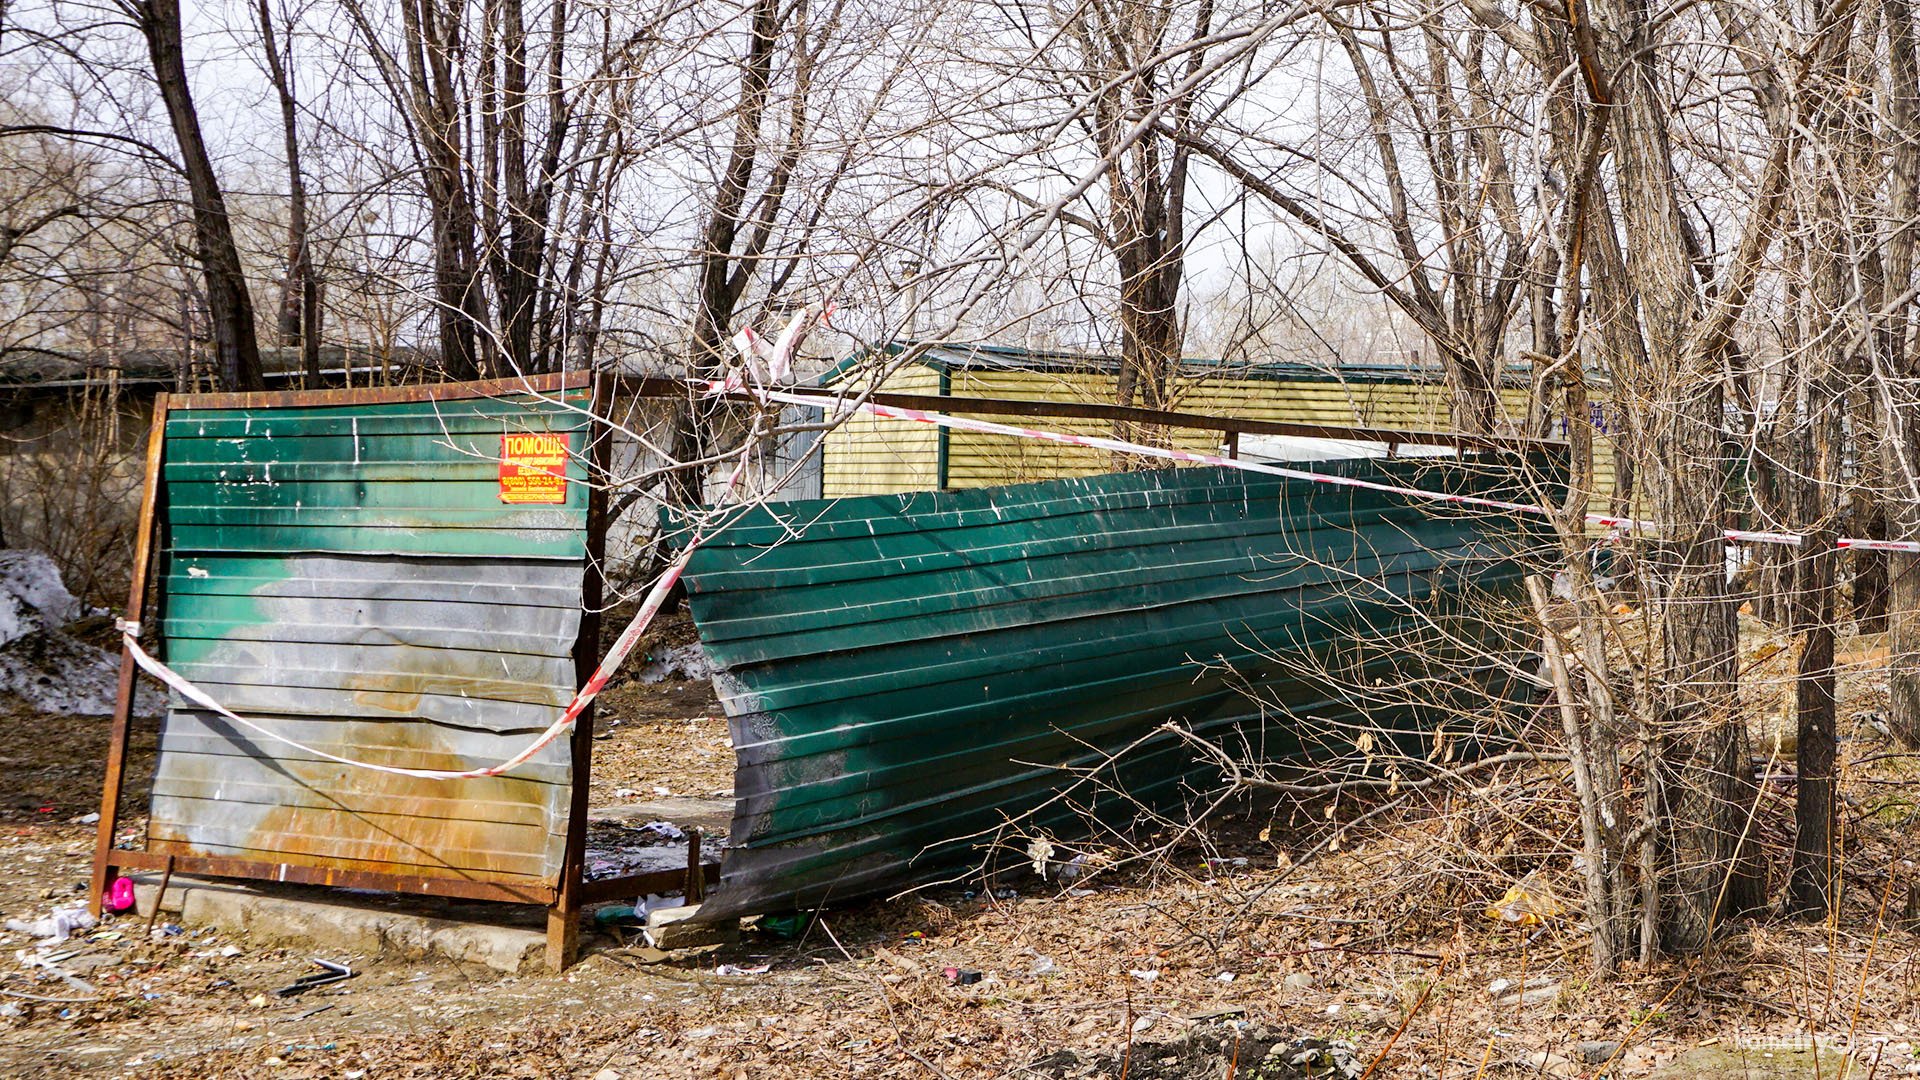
(299, 316)
(229, 299)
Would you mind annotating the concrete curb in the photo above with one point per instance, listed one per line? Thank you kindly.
(330, 925)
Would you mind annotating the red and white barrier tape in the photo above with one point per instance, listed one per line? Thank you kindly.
(1744, 536)
(622, 646)
(753, 347)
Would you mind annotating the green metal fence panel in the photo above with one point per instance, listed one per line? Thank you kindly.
(397, 583)
(908, 675)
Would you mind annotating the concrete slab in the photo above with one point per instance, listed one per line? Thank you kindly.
(669, 929)
(709, 815)
(332, 922)
(1781, 1058)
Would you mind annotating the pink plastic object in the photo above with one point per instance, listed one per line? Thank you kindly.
(120, 895)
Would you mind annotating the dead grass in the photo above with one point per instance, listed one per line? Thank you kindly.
(1381, 941)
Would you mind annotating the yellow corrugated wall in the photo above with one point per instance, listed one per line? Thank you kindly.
(983, 460)
(867, 456)
(870, 456)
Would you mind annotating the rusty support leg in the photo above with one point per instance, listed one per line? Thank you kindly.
(129, 683)
(696, 874)
(563, 918)
(563, 937)
(1233, 445)
(166, 879)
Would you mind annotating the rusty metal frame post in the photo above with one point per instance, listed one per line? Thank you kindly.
(563, 916)
(143, 549)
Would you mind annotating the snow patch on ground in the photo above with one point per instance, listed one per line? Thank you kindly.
(32, 596)
(41, 665)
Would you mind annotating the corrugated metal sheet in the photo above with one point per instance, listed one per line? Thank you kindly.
(866, 456)
(870, 456)
(351, 576)
(904, 673)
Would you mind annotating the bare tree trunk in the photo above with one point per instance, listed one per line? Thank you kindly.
(431, 36)
(300, 300)
(528, 197)
(722, 283)
(229, 303)
(1707, 792)
(1811, 883)
(1899, 452)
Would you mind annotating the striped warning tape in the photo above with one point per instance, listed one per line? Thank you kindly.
(1744, 536)
(617, 655)
(656, 596)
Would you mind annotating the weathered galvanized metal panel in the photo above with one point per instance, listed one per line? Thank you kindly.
(904, 674)
(353, 577)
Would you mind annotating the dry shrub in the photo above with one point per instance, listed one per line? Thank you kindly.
(73, 491)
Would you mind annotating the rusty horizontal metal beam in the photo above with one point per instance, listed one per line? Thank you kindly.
(529, 892)
(388, 395)
(626, 888)
(1083, 410)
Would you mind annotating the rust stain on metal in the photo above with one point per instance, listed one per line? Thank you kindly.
(424, 624)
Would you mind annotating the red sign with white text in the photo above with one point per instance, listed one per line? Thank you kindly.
(533, 468)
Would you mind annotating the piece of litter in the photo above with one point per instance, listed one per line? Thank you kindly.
(1225, 976)
(58, 925)
(1526, 904)
(961, 976)
(331, 973)
(735, 969)
(1144, 975)
(1040, 851)
(655, 901)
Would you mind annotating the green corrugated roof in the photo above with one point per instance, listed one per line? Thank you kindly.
(977, 356)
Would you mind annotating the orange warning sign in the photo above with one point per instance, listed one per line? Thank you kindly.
(533, 468)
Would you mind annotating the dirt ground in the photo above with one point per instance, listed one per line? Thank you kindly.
(1227, 955)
